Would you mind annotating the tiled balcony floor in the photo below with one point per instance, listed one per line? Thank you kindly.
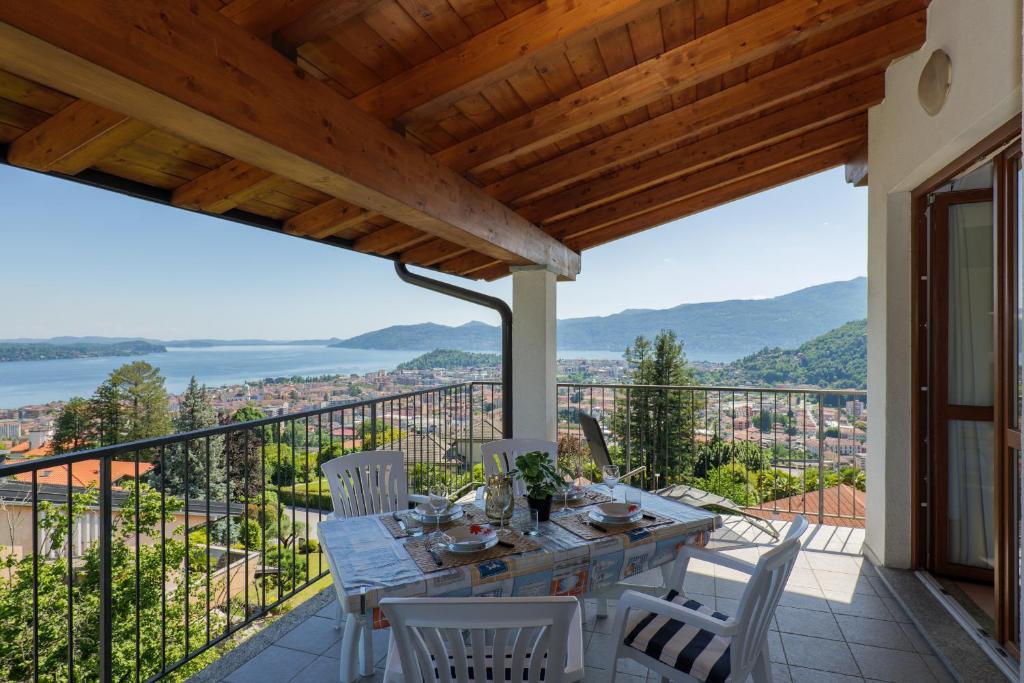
(836, 622)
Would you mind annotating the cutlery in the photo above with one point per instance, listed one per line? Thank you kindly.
(434, 556)
(647, 516)
(598, 526)
(398, 519)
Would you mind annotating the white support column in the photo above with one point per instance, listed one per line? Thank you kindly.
(534, 367)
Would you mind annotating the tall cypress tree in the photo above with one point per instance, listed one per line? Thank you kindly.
(199, 461)
(658, 422)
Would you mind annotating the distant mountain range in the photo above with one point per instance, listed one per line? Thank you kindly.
(715, 331)
(719, 331)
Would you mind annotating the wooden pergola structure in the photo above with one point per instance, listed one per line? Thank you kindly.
(467, 136)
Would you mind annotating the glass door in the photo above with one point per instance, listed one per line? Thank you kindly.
(962, 275)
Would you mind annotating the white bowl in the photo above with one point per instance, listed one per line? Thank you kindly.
(614, 510)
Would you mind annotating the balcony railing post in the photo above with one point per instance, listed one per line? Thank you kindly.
(821, 458)
(373, 426)
(106, 633)
(629, 427)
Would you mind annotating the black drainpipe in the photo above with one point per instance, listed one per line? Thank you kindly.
(492, 302)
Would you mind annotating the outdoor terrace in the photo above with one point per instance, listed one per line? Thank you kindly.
(838, 621)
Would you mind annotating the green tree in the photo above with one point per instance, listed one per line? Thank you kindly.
(243, 454)
(660, 422)
(131, 404)
(200, 461)
(138, 583)
(74, 429)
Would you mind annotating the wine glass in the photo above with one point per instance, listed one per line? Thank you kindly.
(610, 476)
(508, 506)
(438, 501)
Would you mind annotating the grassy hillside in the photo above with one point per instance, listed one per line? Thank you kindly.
(836, 359)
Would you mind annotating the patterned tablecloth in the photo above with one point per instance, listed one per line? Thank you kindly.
(368, 564)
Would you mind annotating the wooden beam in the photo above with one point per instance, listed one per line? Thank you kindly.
(187, 69)
(495, 54)
(325, 16)
(225, 187)
(857, 168)
(432, 252)
(755, 36)
(741, 187)
(742, 139)
(263, 17)
(394, 238)
(324, 220)
(74, 139)
(861, 55)
(829, 137)
(466, 263)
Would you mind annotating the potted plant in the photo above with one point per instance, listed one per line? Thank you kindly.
(542, 480)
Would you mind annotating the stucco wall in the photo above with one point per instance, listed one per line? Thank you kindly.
(906, 146)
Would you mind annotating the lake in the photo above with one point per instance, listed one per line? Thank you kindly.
(31, 382)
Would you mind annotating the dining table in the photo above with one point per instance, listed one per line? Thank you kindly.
(368, 562)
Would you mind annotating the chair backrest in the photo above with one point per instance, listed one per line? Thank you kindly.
(762, 595)
(438, 639)
(595, 439)
(506, 450)
(367, 483)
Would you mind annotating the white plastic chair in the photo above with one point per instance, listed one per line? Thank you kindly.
(367, 483)
(532, 639)
(683, 640)
(507, 450)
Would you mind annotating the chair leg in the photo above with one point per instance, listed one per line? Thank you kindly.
(602, 608)
(762, 672)
(366, 649)
(339, 617)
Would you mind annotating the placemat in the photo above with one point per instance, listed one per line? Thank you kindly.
(417, 550)
(471, 516)
(589, 498)
(579, 524)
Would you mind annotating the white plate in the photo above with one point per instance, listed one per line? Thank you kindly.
(601, 519)
(464, 538)
(462, 550)
(422, 513)
(613, 510)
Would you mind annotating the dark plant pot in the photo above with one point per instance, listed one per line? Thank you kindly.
(542, 506)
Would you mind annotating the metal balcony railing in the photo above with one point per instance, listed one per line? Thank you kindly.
(773, 452)
(132, 562)
(135, 561)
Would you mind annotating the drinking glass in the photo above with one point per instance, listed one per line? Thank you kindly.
(633, 497)
(438, 497)
(530, 522)
(610, 476)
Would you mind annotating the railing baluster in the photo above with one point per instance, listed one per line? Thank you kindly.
(106, 625)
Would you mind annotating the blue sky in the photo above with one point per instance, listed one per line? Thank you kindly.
(80, 261)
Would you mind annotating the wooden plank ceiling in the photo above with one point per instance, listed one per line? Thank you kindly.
(589, 119)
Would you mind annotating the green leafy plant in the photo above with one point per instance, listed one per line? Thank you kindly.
(541, 477)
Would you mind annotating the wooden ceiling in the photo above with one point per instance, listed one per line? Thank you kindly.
(466, 136)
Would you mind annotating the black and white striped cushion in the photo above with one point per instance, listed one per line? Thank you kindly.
(684, 647)
(506, 674)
